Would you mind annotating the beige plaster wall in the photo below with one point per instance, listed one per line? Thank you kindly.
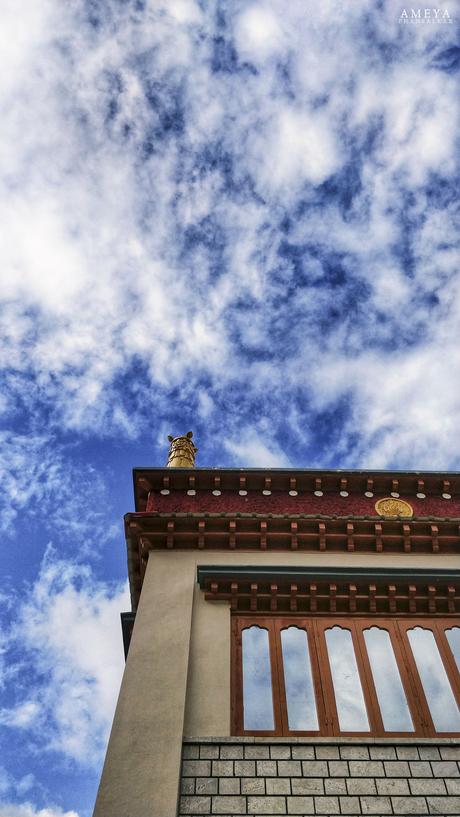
(141, 771)
(177, 677)
(207, 708)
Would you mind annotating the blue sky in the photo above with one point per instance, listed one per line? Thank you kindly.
(237, 218)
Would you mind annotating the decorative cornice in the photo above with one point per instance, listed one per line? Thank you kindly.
(332, 591)
(299, 533)
(293, 482)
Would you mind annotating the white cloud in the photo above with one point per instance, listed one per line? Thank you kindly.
(21, 716)
(391, 289)
(259, 33)
(42, 478)
(25, 783)
(256, 449)
(30, 810)
(295, 148)
(8, 784)
(117, 142)
(185, 11)
(406, 405)
(69, 628)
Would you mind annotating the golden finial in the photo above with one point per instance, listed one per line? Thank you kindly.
(181, 451)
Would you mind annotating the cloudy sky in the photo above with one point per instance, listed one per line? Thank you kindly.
(234, 217)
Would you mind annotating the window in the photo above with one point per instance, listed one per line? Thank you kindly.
(334, 651)
(345, 675)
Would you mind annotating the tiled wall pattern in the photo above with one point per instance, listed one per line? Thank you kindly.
(301, 779)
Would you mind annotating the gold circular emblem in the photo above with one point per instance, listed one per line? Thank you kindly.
(393, 507)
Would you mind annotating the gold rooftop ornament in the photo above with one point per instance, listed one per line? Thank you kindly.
(393, 507)
(181, 451)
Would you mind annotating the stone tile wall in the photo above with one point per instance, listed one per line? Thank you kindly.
(271, 778)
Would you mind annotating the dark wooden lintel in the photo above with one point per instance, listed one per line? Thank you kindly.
(418, 597)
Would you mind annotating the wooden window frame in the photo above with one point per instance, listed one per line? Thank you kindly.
(315, 627)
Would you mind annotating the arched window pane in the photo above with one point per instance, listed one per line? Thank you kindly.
(453, 637)
(298, 680)
(349, 697)
(257, 680)
(438, 692)
(388, 685)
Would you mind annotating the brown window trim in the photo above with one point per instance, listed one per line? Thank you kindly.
(397, 627)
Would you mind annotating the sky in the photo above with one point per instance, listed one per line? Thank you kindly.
(237, 218)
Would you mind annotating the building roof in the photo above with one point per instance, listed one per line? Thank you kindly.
(431, 483)
(275, 509)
